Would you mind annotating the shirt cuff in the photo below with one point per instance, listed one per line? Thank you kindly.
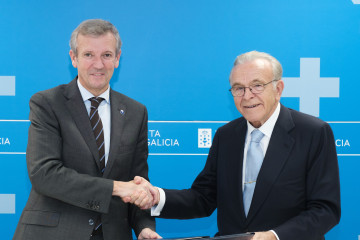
(277, 237)
(156, 209)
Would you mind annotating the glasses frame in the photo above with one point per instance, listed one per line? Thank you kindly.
(251, 88)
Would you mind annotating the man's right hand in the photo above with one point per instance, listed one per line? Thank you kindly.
(153, 190)
(138, 194)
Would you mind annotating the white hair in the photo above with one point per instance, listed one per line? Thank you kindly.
(254, 55)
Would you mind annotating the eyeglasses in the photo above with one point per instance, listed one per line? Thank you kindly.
(257, 88)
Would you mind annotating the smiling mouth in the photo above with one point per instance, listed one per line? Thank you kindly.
(252, 106)
(97, 74)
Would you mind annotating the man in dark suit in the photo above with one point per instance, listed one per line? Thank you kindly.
(294, 193)
(86, 142)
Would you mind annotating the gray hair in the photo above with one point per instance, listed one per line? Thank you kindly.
(94, 27)
(254, 55)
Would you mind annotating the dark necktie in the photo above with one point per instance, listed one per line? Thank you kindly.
(98, 130)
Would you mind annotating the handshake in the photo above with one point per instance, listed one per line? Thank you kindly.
(138, 191)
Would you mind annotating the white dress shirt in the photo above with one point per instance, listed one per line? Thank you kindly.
(267, 129)
(104, 111)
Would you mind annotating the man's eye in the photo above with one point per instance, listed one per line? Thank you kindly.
(87, 55)
(107, 55)
(239, 88)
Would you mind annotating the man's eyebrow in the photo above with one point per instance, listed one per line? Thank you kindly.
(256, 80)
(237, 85)
(252, 82)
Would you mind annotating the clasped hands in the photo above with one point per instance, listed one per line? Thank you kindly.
(138, 191)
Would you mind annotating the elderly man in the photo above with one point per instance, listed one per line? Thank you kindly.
(86, 141)
(273, 171)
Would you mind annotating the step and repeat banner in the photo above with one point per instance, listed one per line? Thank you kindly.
(176, 59)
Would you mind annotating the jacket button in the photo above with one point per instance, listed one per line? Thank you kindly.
(91, 222)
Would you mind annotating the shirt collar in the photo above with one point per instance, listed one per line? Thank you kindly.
(85, 94)
(268, 127)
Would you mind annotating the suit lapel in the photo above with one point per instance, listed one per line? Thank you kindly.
(241, 131)
(77, 109)
(118, 117)
(280, 146)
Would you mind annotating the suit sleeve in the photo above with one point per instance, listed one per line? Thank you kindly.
(322, 189)
(46, 169)
(140, 219)
(201, 199)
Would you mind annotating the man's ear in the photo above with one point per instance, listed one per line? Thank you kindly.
(279, 88)
(73, 58)
(117, 59)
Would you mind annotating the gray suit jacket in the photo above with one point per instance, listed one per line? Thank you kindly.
(68, 191)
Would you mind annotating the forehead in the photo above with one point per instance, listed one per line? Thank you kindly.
(252, 71)
(105, 42)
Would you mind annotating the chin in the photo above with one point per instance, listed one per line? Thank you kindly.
(253, 120)
(251, 117)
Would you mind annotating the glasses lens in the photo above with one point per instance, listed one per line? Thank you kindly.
(238, 91)
(258, 88)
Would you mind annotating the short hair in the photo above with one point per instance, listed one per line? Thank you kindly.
(254, 55)
(94, 27)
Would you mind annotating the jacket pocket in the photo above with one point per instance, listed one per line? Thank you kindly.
(44, 218)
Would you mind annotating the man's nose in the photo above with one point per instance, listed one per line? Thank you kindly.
(248, 93)
(98, 62)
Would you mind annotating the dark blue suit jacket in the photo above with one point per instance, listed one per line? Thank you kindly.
(297, 192)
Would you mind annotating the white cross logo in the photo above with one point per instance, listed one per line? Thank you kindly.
(7, 203)
(7, 84)
(310, 87)
(356, 1)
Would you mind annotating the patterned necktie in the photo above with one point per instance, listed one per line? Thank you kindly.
(98, 130)
(254, 161)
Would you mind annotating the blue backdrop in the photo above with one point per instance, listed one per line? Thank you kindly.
(176, 59)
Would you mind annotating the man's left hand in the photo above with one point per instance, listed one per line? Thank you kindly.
(147, 233)
(264, 236)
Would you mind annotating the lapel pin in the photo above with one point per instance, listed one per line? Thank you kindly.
(122, 112)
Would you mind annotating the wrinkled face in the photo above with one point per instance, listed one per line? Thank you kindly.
(256, 108)
(96, 60)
